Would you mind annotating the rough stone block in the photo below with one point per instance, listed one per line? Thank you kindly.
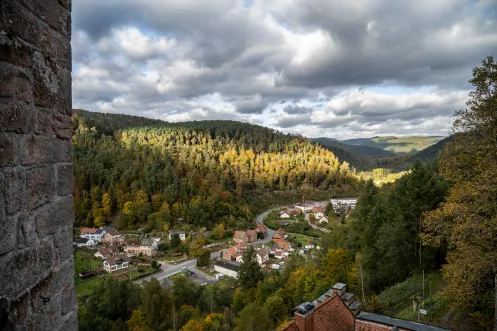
(20, 309)
(8, 233)
(26, 231)
(46, 316)
(14, 182)
(68, 298)
(17, 83)
(70, 322)
(16, 117)
(7, 150)
(52, 13)
(50, 81)
(39, 186)
(47, 254)
(19, 271)
(54, 46)
(14, 50)
(53, 216)
(65, 179)
(63, 242)
(41, 149)
(52, 122)
(18, 21)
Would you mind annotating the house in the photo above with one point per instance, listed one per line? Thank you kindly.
(116, 262)
(105, 253)
(227, 268)
(282, 244)
(278, 234)
(90, 233)
(252, 236)
(113, 237)
(294, 212)
(285, 214)
(262, 256)
(145, 246)
(307, 206)
(336, 310)
(240, 237)
(328, 312)
(181, 234)
(261, 228)
(83, 242)
(342, 206)
(323, 220)
(235, 252)
(318, 212)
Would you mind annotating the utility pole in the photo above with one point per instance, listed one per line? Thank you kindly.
(362, 280)
(423, 299)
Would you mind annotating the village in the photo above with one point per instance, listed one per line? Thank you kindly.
(139, 256)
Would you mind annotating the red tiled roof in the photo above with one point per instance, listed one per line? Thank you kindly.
(88, 230)
(251, 233)
(239, 234)
(233, 252)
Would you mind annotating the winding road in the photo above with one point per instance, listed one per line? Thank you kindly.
(169, 269)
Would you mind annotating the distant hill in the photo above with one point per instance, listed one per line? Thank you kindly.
(430, 154)
(358, 150)
(397, 145)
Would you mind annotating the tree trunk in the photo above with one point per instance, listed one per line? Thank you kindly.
(495, 312)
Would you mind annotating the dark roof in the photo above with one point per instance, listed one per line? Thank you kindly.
(339, 286)
(115, 259)
(234, 266)
(99, 231)
(409, 325)
(80, 240)
(347, 296)
(107, 228)
(354, 305)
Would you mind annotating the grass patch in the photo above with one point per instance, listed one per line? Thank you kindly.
(436, 307)
(302, 239)
(391, 296)
(85, 261)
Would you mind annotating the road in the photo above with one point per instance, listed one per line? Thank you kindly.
(168, 270)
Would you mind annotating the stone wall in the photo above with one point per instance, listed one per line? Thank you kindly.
(36, 172)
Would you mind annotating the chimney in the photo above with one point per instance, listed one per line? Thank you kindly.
(340, 288)
(355, 308)
(304, 322)
(347, 298)
(303, 316)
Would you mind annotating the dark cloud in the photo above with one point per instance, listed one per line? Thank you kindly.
(310, 65)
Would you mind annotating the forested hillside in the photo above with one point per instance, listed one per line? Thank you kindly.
(200, 172)
(396, 145)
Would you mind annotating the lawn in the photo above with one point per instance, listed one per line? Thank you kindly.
(85, 261)
(302, 239)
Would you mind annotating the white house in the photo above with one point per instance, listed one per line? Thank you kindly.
(227, 268)
(95, 234)
(285, 214)
(262, 256)
(83, 242)
(116, 262)
(323, 219)
(181, 234)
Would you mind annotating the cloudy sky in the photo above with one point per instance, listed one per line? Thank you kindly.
(334, 68)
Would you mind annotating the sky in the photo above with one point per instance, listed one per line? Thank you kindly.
(319, 68)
